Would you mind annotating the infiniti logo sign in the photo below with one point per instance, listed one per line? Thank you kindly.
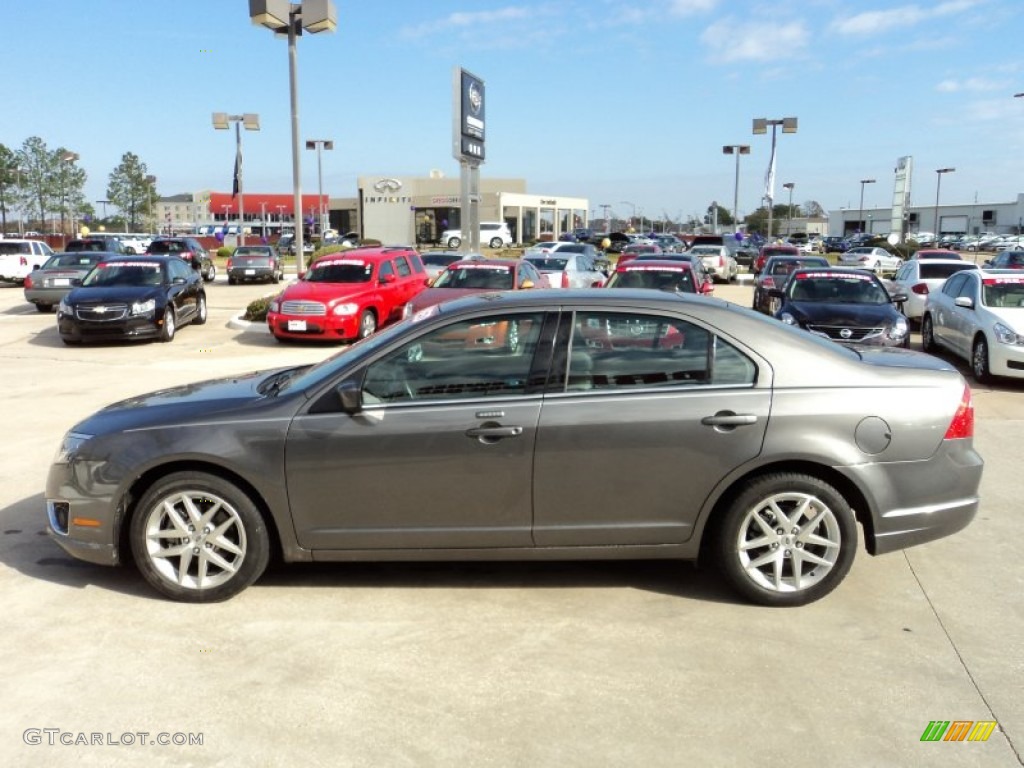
(388, 185)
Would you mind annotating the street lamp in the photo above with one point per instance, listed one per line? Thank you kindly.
(761, 126)
(736, 149)
(263, 220)
(789, 214)
(938, 186)
(282, 16)
(626, 202)
(251, 121)
(67, 157)
(860, 216)
(319, 144)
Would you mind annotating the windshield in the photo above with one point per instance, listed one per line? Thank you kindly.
(440, 259)
(785, 266)
(340, 271)
(477, 276)
(86, 260)
(652, 277)
(251, 252)
(1003, 292)
(124, 273)
(705, 250)
(548, 264)
(824, 288)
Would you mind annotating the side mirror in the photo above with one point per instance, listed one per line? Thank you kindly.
(76, 281)
(302, 275)
(964, 301)
(349, 393)
(178, 281)
(428, 280)
(708, 287)
(387, 279)
(196, 262)
(987, 263)
(527, 284)
(898, 298)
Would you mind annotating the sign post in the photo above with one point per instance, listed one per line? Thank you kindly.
(468, 148)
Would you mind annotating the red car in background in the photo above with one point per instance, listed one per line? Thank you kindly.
(767, 251)
(677, 276)
(630, 252)
(348, 295)
(478, 275)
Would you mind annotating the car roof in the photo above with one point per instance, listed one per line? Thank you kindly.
(674, 265)
(488, 262)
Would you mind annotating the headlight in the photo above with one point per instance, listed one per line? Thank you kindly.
(274, 307)
(64, 308)
(899, 329)
(1006, 335)
(406, 310)
(144, 307)
(787, 318)
(69, 446)
(346, 309)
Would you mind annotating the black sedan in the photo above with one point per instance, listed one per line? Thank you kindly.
(133, 297)
(850, 306)
(254, 262)
(46, 286)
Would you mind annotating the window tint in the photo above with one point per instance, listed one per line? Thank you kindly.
(953, 285)
(481, 358)
(941, 271)
(634, 350)
(402, 266)
(385, 269)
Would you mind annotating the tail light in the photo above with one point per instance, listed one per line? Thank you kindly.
(921, 289)
(962, 424)
(229, 263)
(769, 282)
(721, 260)
(28, 281)
(565, 279)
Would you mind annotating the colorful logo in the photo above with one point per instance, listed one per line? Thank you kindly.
(958, 730)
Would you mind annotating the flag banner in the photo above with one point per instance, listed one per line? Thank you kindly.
(237, 183)
(769, 179)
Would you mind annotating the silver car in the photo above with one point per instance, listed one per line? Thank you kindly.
(917, 278)
(534, 425)
(718, 260)
(565, 268)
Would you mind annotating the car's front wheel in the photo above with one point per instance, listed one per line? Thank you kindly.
(787, 539)
(170, 325)
(454, 242)
(198, 538)
(211, 273)
(367, 323)
(928, 335)
(979, 361)
(201, 310)
(496, 242)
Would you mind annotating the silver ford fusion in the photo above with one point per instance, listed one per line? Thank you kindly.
(534, 425)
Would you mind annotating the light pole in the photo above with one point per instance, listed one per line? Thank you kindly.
(938, 186)
(607, 222)
(761, 126)
(263, 220)
(280, 220)
(789, 211)
(736, 149)
(291, 18)
(626, 202)
(860, 216)
(251, 121)
(67, 157)
(319, 144)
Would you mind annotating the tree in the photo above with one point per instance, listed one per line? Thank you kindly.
(758, 220)
(8, 178)
(813, 208)
(724, 216)
(49, 180)
(132, 190)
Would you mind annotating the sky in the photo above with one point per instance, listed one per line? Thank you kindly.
(623, 102)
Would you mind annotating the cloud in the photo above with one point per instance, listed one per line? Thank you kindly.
(873, 22)
(728, 40)
(691, 7)
(973, 84)
(462, 20)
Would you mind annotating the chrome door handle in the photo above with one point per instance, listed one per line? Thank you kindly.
(494, 432)
(729, 419)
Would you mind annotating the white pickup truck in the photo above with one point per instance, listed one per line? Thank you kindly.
(19, 257)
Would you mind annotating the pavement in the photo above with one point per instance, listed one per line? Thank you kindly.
(495, 664)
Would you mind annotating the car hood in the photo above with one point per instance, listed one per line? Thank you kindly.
(1011, 316)
(324, 292)
(432, 296)
(189, 403)
(824, 313)
(115, 293)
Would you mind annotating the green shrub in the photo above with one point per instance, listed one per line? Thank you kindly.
(256, 312)
(225, 251)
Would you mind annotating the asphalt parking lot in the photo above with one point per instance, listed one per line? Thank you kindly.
(579, 664)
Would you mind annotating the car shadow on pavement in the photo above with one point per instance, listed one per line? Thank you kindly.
(26, 548)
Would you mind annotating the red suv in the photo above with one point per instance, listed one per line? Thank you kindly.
(348, 295)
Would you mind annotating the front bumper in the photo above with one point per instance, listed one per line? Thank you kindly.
(85, 525)
(1005, 359)
(140, 327)
(314, 328)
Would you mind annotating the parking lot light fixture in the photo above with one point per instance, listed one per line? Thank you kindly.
(938, 186)
(860, 216)
(318, 145)
(283, 17)
(761, 124)
(626, 202)
(251, 121)
(736, 149)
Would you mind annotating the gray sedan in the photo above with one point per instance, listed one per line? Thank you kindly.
(472, 431)
(46, 286)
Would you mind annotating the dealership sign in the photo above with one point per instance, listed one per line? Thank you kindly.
(468, 116)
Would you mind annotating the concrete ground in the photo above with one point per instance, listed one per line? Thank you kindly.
(502, 664)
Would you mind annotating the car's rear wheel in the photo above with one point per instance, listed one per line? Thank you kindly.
(198, 538)
(496, 242)
(44, 307)
(231, 280)
(211, 274)
(367, 323)
(454, 242)
(169, 326)
(979, 361)
(788, 539)
(201, 310)
(928, 335)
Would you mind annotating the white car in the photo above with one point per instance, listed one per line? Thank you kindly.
(494, 234)
(718, 261)
(18, 258)
(979, 316)
(919, 278)
(877, 260)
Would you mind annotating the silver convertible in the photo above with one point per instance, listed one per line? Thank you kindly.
(472, 431)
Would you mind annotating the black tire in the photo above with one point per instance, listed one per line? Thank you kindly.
(979, 361)
(928, 335)
(822, 552)
(367, 323)
(211, 273)
(70, 342)
(496, 242)
(231, 280)
(169, 326)
(201, 310)
(242, 542)
(454, 242)
(44, 308)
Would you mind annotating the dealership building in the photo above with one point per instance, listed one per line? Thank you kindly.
(973, 219)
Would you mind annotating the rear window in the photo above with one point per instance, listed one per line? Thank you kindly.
(941, 271)
(167, 246)
(548, 264)
(9, 248)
